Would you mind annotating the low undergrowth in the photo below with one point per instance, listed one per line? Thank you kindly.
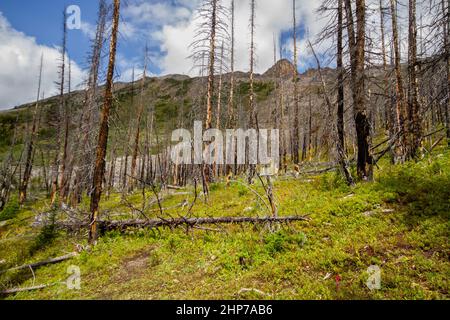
(400, 223)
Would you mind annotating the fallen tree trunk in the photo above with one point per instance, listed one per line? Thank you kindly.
(42, 263)
(17, 290)
(176, 222)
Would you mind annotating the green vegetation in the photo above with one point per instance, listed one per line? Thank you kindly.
(400, 223)
(10, 211)
(262, 89)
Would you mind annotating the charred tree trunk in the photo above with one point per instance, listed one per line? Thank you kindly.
(296, 127)
(230, 112)
(340, 146)
(62, 106)
(138, 124)
(446, 30)
(357, 59)
(415, 128)
(30, 146)
(400, 95)
(99, 170)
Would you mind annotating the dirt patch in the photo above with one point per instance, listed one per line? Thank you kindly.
(138, 263)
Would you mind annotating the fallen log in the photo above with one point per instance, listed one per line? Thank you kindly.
(17, 290)
(42, 263)
(176, 222)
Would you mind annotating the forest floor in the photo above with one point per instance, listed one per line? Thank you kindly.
(399, 223)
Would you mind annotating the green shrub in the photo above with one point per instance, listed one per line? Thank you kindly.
(46, 236)
(10, 211)
(280, 240)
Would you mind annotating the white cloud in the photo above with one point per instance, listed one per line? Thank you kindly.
(20, 60)
(272, 17)
(159, 13)
(88, 29)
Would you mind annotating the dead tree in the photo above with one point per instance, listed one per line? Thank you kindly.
(62, 107)
(414, 128)
(219, 89)
(138, 121)
(357, 62)
(340, 146)
(446, 38)
(212, 30)
(99, 169)
(66, 169)
(232, 80)
(252, 104)
(31, 141)
(388, 109)
(400, 95)
(296, 126)
(85, 160)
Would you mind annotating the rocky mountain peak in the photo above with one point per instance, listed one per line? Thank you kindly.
(283, 68)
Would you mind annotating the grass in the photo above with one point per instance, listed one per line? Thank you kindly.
(400, 223)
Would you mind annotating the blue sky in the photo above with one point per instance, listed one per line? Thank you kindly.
(43, 19)
(29, 28)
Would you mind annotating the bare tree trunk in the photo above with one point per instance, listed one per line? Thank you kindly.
(253, 113)
(296, 128)
(66, 170)
(85, 160)
(252, 105)
(62, 106)
(211, 63)
(400, 95)
(30, 146)
(340, 142)
(357, 59)
(99, 171)
(415, 130)
(138, 124)
(446, 30)
(388, 110)
(232, 80)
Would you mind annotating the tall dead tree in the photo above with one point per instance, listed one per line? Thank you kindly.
(138, 123)
(414, 127)
(252, 103)
(446, 36)
(212, 30)
(252, 106)
(87, 127)
(128, 141)
(388, 110)
(232, 80)
(62, 107)
(219, 89)
(231, 118)
(400, 94)
(211, 63)
(100, 161)
(340, 141)
(31, 141)
(296, 127)
(357, 62)
(65, 174)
